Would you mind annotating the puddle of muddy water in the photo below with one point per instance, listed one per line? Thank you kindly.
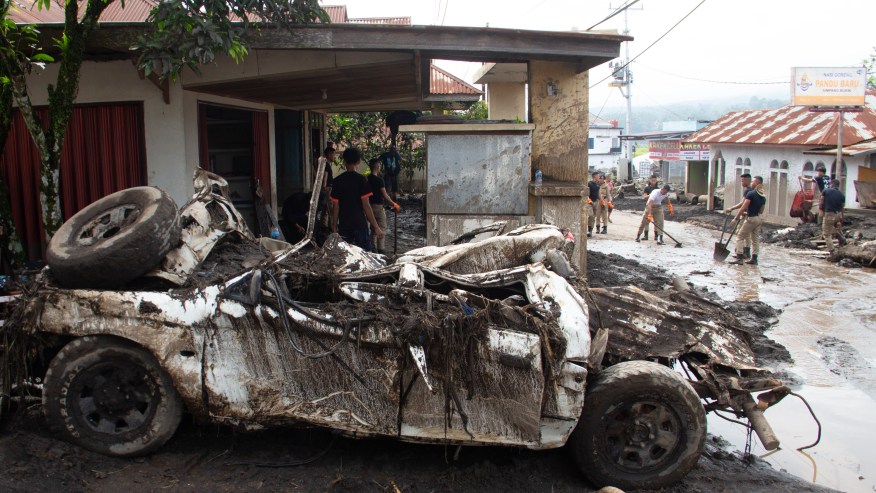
(828, 324)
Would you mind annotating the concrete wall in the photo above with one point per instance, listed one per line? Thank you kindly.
(507, 101)
(559, 142)
(478, 173)
(171, 130)
(166, 133)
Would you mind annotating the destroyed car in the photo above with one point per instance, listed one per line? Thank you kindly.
(494, 342)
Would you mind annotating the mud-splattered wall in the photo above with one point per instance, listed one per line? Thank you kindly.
(558, 102)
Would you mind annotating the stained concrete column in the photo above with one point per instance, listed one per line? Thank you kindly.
(559, 108)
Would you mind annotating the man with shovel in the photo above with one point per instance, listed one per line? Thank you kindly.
(745, 181)
(752, 207)
(654, 212)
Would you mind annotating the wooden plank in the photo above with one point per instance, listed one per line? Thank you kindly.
(866, 193)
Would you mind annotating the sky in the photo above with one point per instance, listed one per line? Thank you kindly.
(733, 43)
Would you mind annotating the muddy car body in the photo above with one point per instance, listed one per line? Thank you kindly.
(486, 343)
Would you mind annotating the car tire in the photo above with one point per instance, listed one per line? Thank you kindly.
(643, 427)
(114, 240)
(110, 396)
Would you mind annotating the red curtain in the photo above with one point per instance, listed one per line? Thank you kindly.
(261, 153)
(104, 152)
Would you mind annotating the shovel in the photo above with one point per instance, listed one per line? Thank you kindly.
(721, 251)
(677, 243)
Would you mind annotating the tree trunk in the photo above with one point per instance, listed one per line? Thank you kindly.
(10, 246)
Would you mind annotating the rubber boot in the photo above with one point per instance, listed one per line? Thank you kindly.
(660, 241)
(646, 235)
(746, 252)
(604, 229)
(590, 233)
(638, 240)
(752, 261)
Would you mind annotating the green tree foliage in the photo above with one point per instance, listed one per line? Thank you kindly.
(870, 65)
(477, 111)
(188, 33)
(369, 133)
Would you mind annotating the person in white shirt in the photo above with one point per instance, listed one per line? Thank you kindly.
(654, 212)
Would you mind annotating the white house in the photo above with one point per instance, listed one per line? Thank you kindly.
(783, 144)
(603, 142)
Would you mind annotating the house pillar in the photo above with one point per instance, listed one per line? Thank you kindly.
(559, 108)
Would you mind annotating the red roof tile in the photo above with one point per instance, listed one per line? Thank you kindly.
(443, 82)
(790, 125)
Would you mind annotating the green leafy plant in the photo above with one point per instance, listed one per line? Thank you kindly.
(369, 133)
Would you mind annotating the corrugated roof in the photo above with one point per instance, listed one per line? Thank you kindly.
(443, 82)
(337, 13)
(398, 21)
(866, 147)
(790, 125)
(134, 11)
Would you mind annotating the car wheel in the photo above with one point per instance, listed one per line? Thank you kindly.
(110, 396)
(115, 239)
(642, 427)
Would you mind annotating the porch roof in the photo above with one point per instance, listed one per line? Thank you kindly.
(396, 76)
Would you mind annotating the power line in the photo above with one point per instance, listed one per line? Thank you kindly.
(709, 80)
(598, 115)
(616, 12)
(654, 43)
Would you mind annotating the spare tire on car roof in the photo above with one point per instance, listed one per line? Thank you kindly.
(114, 240)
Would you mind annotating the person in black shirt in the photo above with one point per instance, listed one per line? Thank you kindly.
(753, 207)
(832, 204)
(391, 161)
(352, 213)
(377, 199)
(820, 181)
(592, 201)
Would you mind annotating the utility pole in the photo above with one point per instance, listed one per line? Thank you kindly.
(628, 84)
(623, 80)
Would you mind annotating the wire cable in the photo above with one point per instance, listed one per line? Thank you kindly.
(616, 12)
(654, 43)
(817, 439)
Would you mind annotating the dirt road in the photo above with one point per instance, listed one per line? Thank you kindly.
(827, 322)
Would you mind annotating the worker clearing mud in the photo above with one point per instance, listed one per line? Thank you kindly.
(832, 204)
(592, 201)
(751, 213)
(745, 181)
(654, 213)
(602, 206)
(650, 187)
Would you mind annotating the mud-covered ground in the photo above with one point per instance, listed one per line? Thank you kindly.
(859, 226)
(216, 458)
